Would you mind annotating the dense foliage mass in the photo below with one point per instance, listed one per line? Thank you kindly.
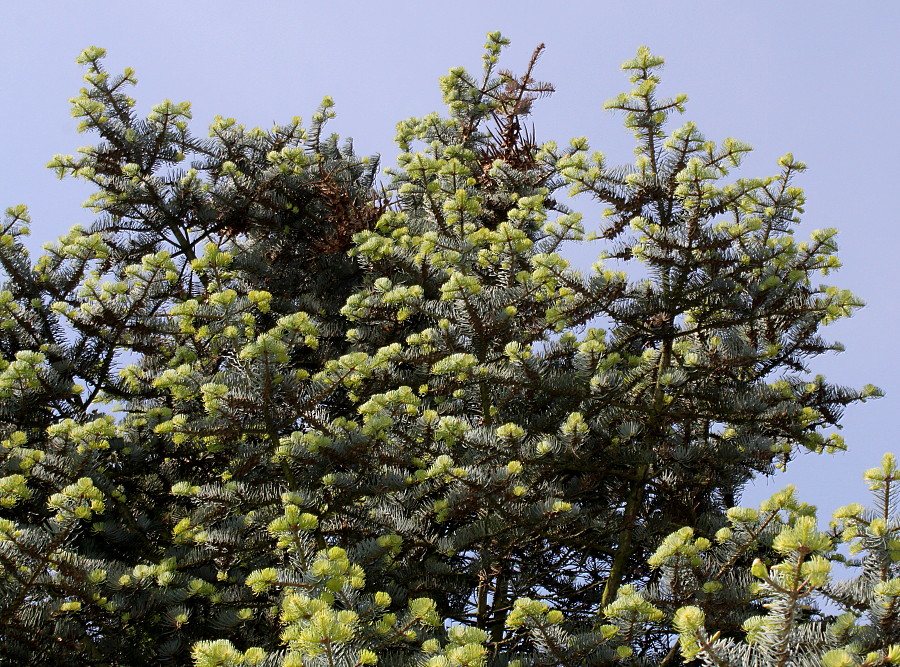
(265, 411)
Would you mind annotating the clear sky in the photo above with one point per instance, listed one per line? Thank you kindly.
(818, 78)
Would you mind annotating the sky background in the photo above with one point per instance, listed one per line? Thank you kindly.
(819, 79)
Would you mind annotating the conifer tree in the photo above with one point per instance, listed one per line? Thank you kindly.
(571, 456)
(287, 202)
(264, 412)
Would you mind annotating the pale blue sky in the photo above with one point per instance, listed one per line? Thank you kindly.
(818, 78)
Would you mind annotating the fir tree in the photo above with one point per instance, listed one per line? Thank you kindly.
(565, 458)
(286, 201)
(264, 412)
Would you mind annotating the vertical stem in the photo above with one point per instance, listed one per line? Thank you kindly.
(482, 594)
(890, 613)
(781, 644)
(498, 622)
(636, 495)
(623, 553)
